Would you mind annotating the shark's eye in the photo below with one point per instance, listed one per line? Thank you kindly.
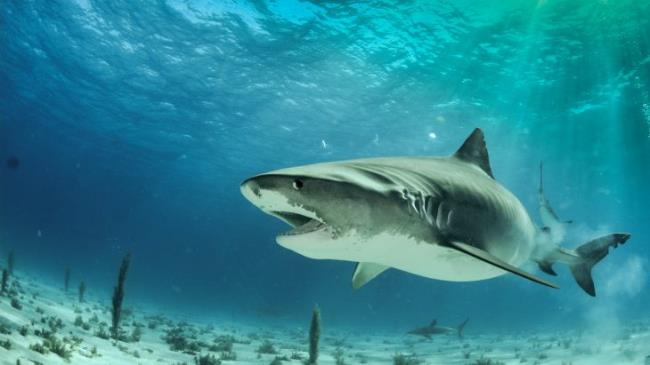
(297, 184)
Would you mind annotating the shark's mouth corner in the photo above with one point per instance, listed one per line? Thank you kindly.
(301, 224)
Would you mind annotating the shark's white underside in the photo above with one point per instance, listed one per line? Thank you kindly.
(427, 259)
(419, 258)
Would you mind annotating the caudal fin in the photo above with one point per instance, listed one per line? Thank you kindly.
(589, 255)
(461, 327)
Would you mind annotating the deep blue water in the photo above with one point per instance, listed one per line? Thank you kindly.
(135, 122)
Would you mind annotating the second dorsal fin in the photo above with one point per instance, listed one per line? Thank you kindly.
(475, 152)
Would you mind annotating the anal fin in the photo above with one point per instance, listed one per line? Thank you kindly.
(491, 259)
(366, 271)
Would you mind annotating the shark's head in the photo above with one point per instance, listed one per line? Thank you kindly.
(333, 208)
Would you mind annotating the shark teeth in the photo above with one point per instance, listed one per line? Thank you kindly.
(311, 226)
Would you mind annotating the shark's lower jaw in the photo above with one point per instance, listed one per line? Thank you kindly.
(301, 224)
(309, 227)
(309, 236)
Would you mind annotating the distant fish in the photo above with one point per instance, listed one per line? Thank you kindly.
(434, 329)
(13, 162)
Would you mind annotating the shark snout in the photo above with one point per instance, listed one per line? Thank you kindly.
(268, 192)
(250, 188)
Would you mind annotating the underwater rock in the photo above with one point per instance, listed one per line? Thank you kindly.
(5, 280)
(10, 262)
(207, 360)
(15, 303)
(401, 359)
(267, 348)
(118, 297)
(314, 336)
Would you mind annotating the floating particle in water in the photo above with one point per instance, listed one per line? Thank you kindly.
(646, 112)
(432, 135)
(13, 162)
(323, 143)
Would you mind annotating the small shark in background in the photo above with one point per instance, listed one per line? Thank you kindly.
(443, 218)
(553, 226)
(434, 329)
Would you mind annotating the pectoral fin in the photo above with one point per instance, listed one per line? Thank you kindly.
(490, 259)
(364, 272)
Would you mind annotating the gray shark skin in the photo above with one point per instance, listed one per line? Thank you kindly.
(434, 329)
(443, 218)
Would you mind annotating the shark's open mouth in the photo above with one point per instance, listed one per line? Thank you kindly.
(301, 224)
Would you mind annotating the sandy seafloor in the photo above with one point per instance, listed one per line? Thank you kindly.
(48, 312)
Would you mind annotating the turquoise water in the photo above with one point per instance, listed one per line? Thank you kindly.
(135, 122)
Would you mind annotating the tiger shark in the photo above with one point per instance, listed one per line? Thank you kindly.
(434, 329)
(443, 218)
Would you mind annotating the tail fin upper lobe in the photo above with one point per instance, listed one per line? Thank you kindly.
(589, 254)
(580, 260)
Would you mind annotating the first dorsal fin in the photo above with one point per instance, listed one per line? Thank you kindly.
(433, 323)
(475, 152)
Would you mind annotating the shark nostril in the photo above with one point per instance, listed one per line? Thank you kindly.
(253, 187)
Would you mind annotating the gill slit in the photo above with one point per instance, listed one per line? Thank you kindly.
(426, 207)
